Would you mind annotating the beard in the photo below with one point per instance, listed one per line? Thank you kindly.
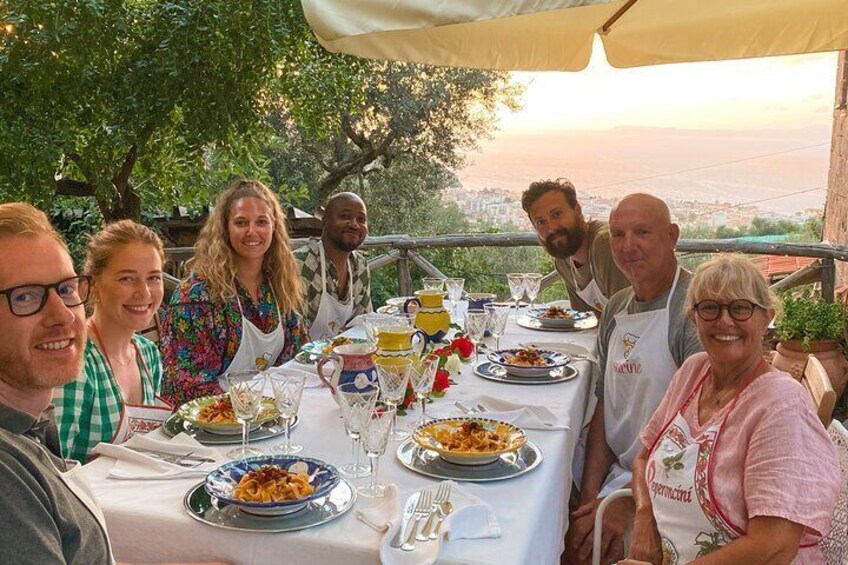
(565, 242)
(347, 246)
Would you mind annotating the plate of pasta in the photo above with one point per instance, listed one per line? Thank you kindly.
(528, 361)
(215, 414)
(271, 485)
(554, 316)
(469, 441)
(314, 350)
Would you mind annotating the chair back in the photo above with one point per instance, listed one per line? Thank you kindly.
(817, 383)
(835, 545)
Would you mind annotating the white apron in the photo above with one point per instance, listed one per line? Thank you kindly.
(638, 369)
(679, 475)
(332, 314)
(136, 418)
(590, 294)
(257, 349)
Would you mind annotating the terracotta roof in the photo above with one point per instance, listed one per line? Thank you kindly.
(774, 266)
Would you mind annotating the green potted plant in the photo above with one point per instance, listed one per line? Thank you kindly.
(808, 324)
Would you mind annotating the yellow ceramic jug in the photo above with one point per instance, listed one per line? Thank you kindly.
(397, 341)
(431, 317)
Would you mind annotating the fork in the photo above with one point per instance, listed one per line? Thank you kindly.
(187, 460)
(422, 510)
(441, 497)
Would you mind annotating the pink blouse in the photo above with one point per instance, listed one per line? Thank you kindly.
(774, 457)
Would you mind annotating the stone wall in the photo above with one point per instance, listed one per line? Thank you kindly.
(836, 206)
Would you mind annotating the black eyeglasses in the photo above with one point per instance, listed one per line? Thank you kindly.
(740, 309)
(29, 299)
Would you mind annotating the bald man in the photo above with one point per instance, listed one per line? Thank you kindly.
(336, 276)
(643, 338)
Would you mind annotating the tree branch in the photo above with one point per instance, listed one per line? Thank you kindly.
(70, 187)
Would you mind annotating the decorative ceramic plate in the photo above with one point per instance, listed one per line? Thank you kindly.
(190, 412)
(568, 316)
(175, 425)
(492, 372)
(314, 350)
(534, 324)
(551, 360)
(398, 301)
(429, 463)
(432, 435)
(204, 508)
(221, 482)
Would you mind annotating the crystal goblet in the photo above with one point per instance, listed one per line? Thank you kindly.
(375, 436)
(476, 324)
(245, 390)
(454, 288)
(393, 376)
(532, 286)
(288, 389)
(516, 287)
(422, 376)
(498, 317)
(357, 405)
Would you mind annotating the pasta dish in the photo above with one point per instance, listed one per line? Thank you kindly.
(272, 483)
(219, 411)
(335, 342)
(557, 313)
(471, 437)
(526, 358)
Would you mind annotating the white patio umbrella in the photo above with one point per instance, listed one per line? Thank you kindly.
(558, 34)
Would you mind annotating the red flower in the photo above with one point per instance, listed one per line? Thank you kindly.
(442, 380)
(443, 351)
(409, 399)
(464, 346)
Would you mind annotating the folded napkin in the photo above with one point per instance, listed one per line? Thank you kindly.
(526, 416)
(308, 371)
(131, 464)
(572, 349)
(471, 518)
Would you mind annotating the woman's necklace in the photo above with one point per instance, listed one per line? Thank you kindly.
(724, 394)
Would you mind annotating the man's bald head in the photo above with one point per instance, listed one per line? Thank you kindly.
(341, 199)
(648, 204)
(345, 222)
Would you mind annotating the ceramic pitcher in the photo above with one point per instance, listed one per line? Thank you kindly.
(431, 316)
(353, 363)
(398, 341)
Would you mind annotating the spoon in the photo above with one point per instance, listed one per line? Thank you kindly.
(444, 509)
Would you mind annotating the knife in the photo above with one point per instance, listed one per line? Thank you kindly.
(397, 541)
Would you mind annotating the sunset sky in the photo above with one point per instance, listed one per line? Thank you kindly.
(776, 92)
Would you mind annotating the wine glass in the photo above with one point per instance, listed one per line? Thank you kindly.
(372, 323)
(357, 405)
(516, 287)
(498, 317)
(393, 376)
(245, 389)
(454, 288)
(432, 283)
(375, 436)
(422, 376)
(405, 319)
(476, 324)
(532, 286)
(288, 389)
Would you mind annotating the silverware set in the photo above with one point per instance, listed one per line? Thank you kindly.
(187, 460)
(430, 510)
(479, 409)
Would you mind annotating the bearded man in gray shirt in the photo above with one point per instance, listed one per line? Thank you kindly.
(643, 338)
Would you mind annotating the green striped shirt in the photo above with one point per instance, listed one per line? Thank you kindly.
(88, 409)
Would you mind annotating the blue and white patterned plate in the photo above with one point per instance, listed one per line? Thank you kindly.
(221, 482)
(570, 318)
(553, 360)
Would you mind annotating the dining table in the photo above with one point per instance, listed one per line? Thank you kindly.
(147, 522)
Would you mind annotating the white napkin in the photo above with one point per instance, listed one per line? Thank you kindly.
(131, 464)
(572, 349)
(308, 371)
(526, 416)
(471, 518)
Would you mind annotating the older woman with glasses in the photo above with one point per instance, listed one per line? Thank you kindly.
(737, 467)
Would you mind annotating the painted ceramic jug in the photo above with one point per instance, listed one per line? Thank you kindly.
(397, 341)
(431, 316)
(353, 363)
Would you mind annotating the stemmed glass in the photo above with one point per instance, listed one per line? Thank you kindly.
(532, 286)
(357, 405)
(498, 317)
(405, 319)
(372, 324)
(476, 324)
(422, 376)
(288, 389)
(432, 283)
(375, 436)
(454, 288)
(516, 287)
(393, 376)
(245, 388)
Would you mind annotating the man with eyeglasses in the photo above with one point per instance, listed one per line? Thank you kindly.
(643, 338)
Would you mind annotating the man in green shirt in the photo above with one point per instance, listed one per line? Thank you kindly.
(580, 249)
(336, 276)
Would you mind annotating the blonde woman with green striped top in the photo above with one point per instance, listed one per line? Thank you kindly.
(115, 394)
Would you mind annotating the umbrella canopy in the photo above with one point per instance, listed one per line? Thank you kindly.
(558, 34)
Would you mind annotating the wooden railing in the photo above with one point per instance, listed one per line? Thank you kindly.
(403, 251)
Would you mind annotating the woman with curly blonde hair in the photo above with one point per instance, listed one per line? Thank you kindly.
(238, 309)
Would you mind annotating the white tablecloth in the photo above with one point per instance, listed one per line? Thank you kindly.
(147, 522)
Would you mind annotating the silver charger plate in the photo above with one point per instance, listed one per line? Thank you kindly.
(175, 425)
(579, 326)
(203, 508)
(561, 374)
(509, 465)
